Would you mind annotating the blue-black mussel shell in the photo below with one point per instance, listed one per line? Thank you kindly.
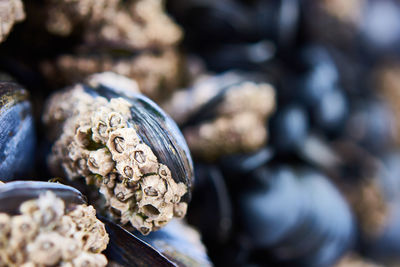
(17, 134)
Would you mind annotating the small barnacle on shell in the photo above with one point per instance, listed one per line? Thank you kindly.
(47, 228)
(134, 150)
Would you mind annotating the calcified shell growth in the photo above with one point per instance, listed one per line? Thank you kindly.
(46, 233)
(99, 142)
(138, 24)
(11, 11)
(156, 73)
(239, 124)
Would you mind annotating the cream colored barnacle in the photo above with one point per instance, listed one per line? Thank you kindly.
(45, 233)
(239, 125)
(99, 143)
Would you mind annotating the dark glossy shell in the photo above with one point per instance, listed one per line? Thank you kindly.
(157, 130)
(179, 243)
(125, 249)
(17, 135)
(211, 208)
(289, 215)
(12, 194)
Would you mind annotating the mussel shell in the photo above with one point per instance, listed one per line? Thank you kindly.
(371, 125)
(246, 163)
(298, 218)
(158, 131)
(180, 243)
(264, 221)
(17, 135)
(220, 85)
(125, 249)
(211, 208)
(289, 128)
(12, 194)
(211, 22)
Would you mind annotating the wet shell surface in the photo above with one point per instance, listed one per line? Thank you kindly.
(288, 215)
(180, 243)
(125, 249)
(124, 144)
(17, 134)
(46, 224)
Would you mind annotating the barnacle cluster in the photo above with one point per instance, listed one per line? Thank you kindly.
(47, 233)
(137, 24)
(342, 10)
(239, 125)
(97, 142)
(150, 70)
(11, 11)
(132, 38)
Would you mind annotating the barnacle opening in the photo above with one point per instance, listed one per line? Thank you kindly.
(136, 186)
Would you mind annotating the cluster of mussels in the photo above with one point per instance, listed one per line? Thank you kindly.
(290, 110)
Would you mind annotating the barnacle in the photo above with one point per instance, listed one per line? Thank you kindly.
(11, 11)
(132, 38)
(386, 79)
(99, 142)
(369, 205)
(239, 124)
(354, 260)
(155, 73)
(46, 233)
(346, 11)
(137, 24)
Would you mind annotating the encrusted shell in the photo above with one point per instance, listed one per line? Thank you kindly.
(126, 145)
(224, 114)
(43, 224)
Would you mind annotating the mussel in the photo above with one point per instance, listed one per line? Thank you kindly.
(126, 146)
(355, 26)
(286, 216)
(243, 35)
(133, 38)
(49, 224)
(180, 243)
(17, 133)
(224, 114)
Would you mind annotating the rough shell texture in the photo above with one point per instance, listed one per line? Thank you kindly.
(156, 73)
(11, 11)
(46, 230)
(135, 24)
(227, 114)
(128, 147)
(17, 135)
